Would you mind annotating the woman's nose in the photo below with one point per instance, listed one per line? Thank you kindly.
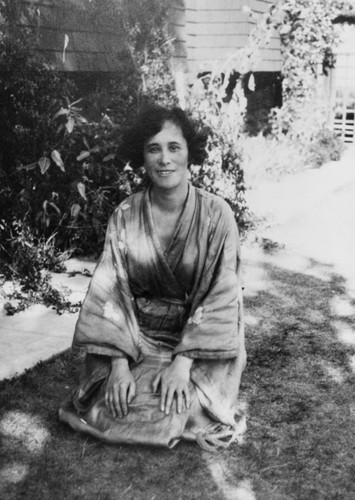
(165, 157)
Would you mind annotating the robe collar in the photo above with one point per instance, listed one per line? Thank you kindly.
(178, 240)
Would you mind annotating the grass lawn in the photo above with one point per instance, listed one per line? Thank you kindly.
(299, 389)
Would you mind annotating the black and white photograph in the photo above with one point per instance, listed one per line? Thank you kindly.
(177, 242)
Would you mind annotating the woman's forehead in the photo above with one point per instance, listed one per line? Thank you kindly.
(169, 132)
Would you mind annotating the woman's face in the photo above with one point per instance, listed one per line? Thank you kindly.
(166, 157)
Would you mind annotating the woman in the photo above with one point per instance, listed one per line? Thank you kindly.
(162, 320)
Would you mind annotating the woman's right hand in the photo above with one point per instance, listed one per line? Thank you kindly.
(120, 388)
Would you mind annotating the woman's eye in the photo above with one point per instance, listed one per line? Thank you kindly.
(153, 149)
(174, 147)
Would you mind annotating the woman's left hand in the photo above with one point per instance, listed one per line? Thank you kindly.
(174, 381)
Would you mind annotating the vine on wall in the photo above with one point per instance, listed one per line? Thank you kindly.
(307, 37)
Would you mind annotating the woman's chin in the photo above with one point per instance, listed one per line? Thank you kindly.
(170, 183)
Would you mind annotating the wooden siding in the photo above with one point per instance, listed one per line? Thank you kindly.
(270, 54)
(95, 43)
(178, 29)
(206, 33)
(210, 31)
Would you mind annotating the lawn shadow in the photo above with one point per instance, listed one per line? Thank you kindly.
(298, 386)
(299, 381)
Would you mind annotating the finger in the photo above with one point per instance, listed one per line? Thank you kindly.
(162, 397)
(107, 402)
(111, 406)
(123, 398)
(186, 392)
(113, 411)
(169, 400)
(108, 398)
(131, 391)
(116, 403)
(179, 401)
(156, 382)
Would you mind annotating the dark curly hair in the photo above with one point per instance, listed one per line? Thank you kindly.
(149, 122)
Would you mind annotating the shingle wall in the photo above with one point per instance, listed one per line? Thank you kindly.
(95, 42)
(208, 32)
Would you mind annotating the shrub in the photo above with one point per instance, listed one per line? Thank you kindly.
(60, 171)
(326, 146)
(269, 159)
(30, 94)
(30, 260)
(222, 173)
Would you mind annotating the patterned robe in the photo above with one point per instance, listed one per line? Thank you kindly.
(149, 305)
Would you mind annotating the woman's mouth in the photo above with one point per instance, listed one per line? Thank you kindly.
(165, 173)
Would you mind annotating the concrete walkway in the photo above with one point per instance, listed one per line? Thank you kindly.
(39, 333)
(297, 194)
(311, 215)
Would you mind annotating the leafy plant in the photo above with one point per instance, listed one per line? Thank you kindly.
(222, 173)
(269, 158)
(27, 263)
(326, 146)
(60, 170)
(308, 37)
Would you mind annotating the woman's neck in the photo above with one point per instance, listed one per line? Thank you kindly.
(169, 201)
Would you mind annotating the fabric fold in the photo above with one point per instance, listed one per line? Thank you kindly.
(149, 306)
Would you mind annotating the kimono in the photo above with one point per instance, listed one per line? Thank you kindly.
(149, 305)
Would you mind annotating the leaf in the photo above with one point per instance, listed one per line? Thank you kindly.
(251, 82)
(61, 112)
(54, 206)
(96, 225)
(70, 124)
(31, 166)
(75, 209)
(109, 157)
(285, 29)
(66, 41)
(57, 159)
(83, 155)
(75, 102)
(81, 119)
(81, 189)
(44, 164)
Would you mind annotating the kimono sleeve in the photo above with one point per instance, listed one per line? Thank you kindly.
(214, 328)
(107, 324)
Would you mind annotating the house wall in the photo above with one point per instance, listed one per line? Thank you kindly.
(208, 32)
(94, 42)
(342, 86)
